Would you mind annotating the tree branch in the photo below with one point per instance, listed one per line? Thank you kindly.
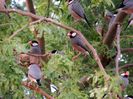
(25, 26)
(110, 35)
(38, 90)
(127, 50)
(118, 49)
(31, 9)
(96, 57)
(125, 66)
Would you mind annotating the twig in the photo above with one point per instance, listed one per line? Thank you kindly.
(25, 26)
(118, 49)
(127, 36)
(96, 57)
(38, 90)
(125, 66)
(16, 32)
(127, 50)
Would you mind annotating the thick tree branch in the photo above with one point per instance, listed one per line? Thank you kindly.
(110, 35)
(127, 50)
(125, 66)
(96, 57)
(118, 49)
(31, 9)
(38, 90)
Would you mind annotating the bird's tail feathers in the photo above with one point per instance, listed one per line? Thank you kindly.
(87, 21)
(38, 82)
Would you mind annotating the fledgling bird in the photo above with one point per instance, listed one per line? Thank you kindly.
(35, 74)
(128, 97)
(77, 10)
(130, 21)
(4, 7)
(124, 77)
(78, 44)
(126, 6)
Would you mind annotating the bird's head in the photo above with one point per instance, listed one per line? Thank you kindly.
(72, 34)
(33, 43)
(125, 74)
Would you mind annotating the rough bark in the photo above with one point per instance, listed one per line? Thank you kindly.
(31, 9)
(111, 34)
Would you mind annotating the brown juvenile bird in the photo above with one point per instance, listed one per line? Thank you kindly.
(4, 7)
(77, 10)
(78, 44)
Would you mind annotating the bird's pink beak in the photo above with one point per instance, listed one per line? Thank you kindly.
(68, 34)
(30, 42)
(127, 73)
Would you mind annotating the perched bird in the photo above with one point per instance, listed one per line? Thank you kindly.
(77, 43)
(35, 49)
(128, 97)
(34, 73)
(124, 77)
(4, 7)
(77, 10)
(126, 6)
(130, 21)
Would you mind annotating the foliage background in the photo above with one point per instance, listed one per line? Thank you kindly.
(60, 69)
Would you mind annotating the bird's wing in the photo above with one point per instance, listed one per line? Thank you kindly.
(78, 9)
(35, 50)
(35, 71)
(81, 44)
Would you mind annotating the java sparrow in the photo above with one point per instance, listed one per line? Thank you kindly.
(3, 7)
(34, 73)
(35, 49)
(127, 6)
(128, 97)
(77, 10)
(130, 21)
(77, 43)
(124, 78)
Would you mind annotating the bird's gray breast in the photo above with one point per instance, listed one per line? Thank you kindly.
(35, 71)
(125, 81)
(36, 50)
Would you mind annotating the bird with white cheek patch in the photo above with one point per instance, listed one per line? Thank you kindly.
(124, 77)
(3, 7)
(78, 44)
(77, 10)
(35, 49)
